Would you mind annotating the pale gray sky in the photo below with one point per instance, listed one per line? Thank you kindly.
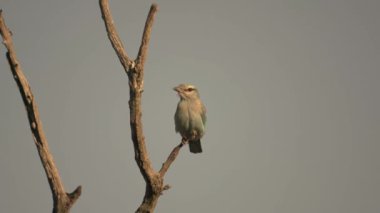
(291, 87)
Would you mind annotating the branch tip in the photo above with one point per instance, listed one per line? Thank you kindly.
(154, 7)
(75, 194)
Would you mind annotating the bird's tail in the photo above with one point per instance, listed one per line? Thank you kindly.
(195, 146)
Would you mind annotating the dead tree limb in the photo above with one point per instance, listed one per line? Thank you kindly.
(62, 200)
(172, 156)
(135, 71)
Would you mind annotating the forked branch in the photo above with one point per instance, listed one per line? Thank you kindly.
(62, 200)
(135, 70)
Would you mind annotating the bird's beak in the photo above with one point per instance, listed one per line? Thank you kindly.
(176, 89)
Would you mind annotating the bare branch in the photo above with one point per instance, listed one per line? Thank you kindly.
(62, 201)
(113, 35)
(141, 57)
(154, 180)
(172, 156)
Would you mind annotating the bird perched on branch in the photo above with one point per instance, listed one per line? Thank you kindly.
(190, 117)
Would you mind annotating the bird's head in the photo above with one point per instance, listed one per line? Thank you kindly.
(186, 91)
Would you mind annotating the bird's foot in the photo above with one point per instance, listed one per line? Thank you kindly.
(184, 141)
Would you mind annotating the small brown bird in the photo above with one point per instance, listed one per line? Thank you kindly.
(190, 117)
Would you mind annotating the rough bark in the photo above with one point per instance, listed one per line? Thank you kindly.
(135, 70)
(62, 201)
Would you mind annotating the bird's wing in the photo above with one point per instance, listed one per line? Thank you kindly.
(203, 115)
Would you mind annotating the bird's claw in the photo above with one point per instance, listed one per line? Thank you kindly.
(184, 141)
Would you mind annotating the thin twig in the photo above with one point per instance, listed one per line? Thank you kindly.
(172, 156)
(62, 200)
(141, 56)
(114, 36)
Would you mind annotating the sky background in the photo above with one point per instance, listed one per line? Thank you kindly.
(291, 88)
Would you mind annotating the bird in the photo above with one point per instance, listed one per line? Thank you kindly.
(190, 116)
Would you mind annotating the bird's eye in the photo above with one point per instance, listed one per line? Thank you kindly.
(189, 89)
